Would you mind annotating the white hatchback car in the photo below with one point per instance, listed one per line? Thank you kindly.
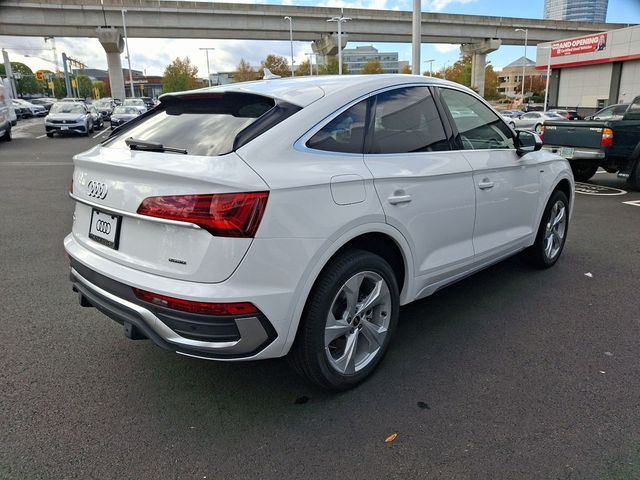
(295, 216)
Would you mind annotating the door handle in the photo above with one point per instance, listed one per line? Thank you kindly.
(396, 199)
(485, 184)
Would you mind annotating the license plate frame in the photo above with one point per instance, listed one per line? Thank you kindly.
(65, 127)
(106, 233)
(567, 152)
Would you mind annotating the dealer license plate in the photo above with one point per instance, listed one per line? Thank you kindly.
(105, 228)
(566, 152)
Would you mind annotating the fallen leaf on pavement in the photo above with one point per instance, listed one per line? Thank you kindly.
(588, 274)
(391, 438)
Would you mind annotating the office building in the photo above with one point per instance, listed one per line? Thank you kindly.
(356, 58)
(576, 10)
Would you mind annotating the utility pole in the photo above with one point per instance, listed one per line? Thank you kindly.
(67, 82)
(55, 51)
(9, 72)
(524, 61)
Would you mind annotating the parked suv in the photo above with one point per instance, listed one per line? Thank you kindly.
(69, 117)
(295, 216)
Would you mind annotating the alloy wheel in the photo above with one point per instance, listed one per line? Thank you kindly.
(555, 230)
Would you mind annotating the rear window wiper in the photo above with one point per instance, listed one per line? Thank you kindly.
(136, 144)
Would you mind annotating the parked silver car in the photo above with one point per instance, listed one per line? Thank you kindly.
(534, 120)
(69, 117)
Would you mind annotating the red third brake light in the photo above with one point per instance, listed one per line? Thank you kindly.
(223, 215)
(202, 308)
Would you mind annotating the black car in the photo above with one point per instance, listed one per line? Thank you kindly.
(148, 102)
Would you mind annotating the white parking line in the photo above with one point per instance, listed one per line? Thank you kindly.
(635, 203)
(33, 164)
(43, 135)
(101, 133)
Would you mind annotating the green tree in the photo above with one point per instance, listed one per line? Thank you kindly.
(372, 66)
(59, 87)
(26, 82)
(244, 72)
(534, 85)
(331, 67)
(304, 68)
(84, 86)
(406, 69)
(277, 65)
(180, 75)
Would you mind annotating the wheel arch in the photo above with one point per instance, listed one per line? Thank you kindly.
(381, 239)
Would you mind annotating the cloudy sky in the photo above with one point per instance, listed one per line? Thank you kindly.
(153, 55)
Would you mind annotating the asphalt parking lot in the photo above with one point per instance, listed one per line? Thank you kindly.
(509, 374)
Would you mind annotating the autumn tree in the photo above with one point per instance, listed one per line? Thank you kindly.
(277, 65)
(244, 72)
(100, 87)
(534, 85)
(331, 67)
(180, 75)
(491, 84)
(406, 69)
(372, 66)
(304, 68)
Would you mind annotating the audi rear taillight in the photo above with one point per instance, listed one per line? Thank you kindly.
(224, 215)
(607, 137)
(201, 308)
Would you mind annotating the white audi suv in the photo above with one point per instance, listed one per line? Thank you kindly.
(295, 216)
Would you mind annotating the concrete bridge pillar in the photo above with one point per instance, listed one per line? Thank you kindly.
(478, 52)
(113, 45)
(327, 46)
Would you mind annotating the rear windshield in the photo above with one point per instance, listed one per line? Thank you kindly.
(204, 126)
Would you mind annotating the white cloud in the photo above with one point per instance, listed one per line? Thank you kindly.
(440, 5)
(446, 47)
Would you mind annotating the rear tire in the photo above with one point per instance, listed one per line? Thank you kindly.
(552, 233)
(583, 171)
(348, 321)
(7, 135)
(634, 178)
(50, 134)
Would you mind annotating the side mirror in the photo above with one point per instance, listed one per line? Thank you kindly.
(527, 142)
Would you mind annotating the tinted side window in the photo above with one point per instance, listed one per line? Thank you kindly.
(633, 113)
(345, 133)
(478, 126)
(406, 120)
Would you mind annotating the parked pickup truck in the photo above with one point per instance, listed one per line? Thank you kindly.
(611, 144)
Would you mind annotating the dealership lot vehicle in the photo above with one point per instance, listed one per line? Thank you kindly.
(612, 112)
(543, 337)
(96, 117)
(567, 114)
(44, 102)
(535, 120)
(612, 144)
(5, 116)
(105, 107)
(32, 109)
(122, 115)
(232, 233)
(69, 117)
(136, 103)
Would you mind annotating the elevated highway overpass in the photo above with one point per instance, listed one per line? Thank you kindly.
(187, 19)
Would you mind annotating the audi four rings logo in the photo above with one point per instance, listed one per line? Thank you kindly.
(103, 227)
(97, 189)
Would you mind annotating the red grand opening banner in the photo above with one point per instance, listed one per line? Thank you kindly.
(587, 44)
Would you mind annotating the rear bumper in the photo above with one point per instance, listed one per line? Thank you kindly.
(185, 333)
(578, 153)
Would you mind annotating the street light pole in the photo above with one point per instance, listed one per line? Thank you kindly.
(126, 39)
(310, 55)
(524, 61)
(340, 20)
(208, 69)
(430, 62)
(291, 40)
